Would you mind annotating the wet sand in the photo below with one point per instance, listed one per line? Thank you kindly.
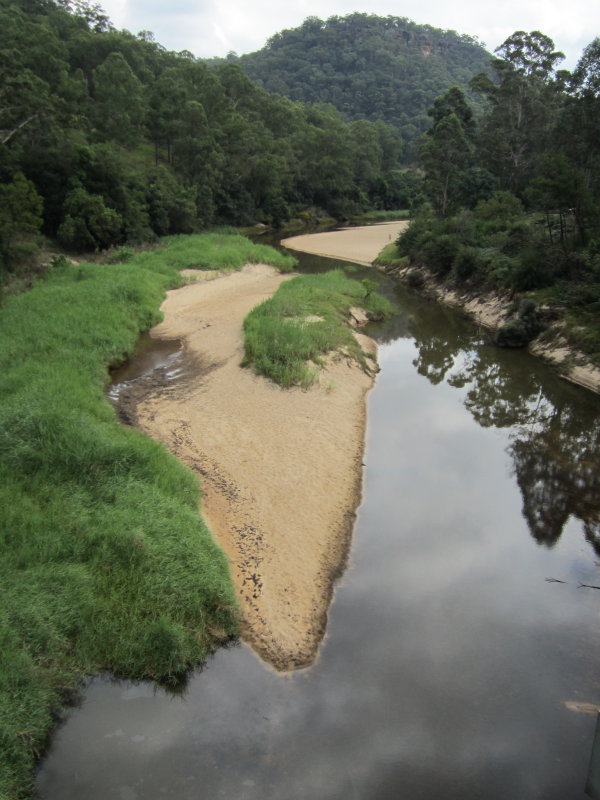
(360, 245)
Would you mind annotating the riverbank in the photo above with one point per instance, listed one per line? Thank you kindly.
(266, 457)
(492, 310)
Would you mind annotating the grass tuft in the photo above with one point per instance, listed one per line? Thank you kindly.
(306, 318)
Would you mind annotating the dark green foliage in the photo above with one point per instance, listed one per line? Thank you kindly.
(466, 263)
(522, 328)
(88, 223)
(20, 222)
(124, 141)
(378, 68)
(439, 253)
(514, 201)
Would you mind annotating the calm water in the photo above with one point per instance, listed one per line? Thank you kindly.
(451, 647)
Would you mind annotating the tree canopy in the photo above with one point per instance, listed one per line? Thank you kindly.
(107, 138)
(368, 67)
(514, 195)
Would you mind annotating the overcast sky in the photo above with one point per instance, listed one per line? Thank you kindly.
(215, 27)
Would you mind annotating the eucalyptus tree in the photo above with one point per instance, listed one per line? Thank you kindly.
(447, 151)
(523, 100)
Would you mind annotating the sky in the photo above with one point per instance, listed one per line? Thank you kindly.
(214, 27)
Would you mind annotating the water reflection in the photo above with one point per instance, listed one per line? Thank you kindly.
(554, 441)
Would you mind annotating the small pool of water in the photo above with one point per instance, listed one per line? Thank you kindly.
(151, 356)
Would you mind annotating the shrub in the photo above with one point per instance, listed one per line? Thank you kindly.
(415, 279)
(439, 253)
(520, 330)
(466, 263)
(89, 224)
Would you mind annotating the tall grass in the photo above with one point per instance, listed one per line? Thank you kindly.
(214, 250)
(105, 562)
(287, 335)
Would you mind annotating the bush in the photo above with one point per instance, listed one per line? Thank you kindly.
(466, 263)
(89, 224)
(499, 210)
(533, 270)
(415, 279)
(519, 331)
(439, 253)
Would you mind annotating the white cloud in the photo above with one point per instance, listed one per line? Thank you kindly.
(208, 28)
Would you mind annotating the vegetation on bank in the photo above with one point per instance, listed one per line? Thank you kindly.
(514, 195)
(373, 217)
(286, 336)
(106, 563)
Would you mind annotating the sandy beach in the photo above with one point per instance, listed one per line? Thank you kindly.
(360, 245)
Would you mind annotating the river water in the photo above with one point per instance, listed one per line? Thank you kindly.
(460, 640)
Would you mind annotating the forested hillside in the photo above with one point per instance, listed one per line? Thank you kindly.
(368, 67)
(107, 138)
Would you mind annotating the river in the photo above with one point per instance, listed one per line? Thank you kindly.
(462, 640)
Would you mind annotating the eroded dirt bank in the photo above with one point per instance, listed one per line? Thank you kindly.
(280, 469)
(492, 310)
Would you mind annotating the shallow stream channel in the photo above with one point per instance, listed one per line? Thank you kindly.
(462, 653)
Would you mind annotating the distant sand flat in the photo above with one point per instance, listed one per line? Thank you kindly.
(361, 245)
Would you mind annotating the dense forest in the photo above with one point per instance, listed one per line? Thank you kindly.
(107, 138)
(514, 195)
(368, 67)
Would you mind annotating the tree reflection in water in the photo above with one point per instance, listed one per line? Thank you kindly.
(554, 427)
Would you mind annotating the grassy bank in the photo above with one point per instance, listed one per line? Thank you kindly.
(287, 335)
(106, 563)
(390, 257)
(215, 250)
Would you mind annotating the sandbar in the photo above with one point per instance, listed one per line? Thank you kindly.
(360, 245)
(280, 469)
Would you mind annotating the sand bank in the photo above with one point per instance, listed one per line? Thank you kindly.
(280, 469)
(360, 245)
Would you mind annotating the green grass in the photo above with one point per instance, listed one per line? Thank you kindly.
(287, 335)
(106, 563)
(215, 250)
(381, 216)
(390, 257)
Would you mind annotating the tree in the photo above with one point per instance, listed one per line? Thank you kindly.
(523, 105)
(531, 54)
(118, 108)
(20, 221)
(446, 150)
(581, 117)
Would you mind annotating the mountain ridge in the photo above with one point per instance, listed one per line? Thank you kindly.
(378, 68)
